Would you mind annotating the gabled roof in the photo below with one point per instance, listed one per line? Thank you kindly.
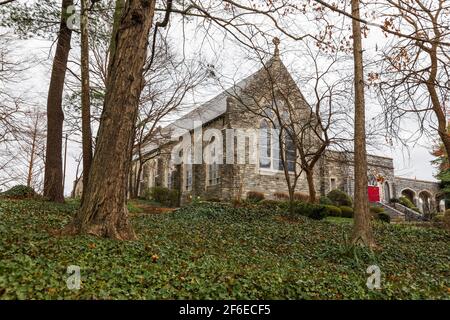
(211, 109)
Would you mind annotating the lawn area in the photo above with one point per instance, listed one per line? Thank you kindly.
(214, 251)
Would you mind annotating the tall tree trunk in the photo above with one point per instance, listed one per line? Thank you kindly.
(362, 231)
(103, 211)
(118, 10)
(53, 189)
(85, 96)
(311, 187)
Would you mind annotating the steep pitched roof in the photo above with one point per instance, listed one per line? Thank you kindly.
(213, 108)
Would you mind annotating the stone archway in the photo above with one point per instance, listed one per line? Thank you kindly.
(426, 202)
(410, 194)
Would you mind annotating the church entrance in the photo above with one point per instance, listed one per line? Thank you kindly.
(372, 189)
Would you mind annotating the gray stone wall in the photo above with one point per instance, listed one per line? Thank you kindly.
(339, 165)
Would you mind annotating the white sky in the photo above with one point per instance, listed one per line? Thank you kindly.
(230, 60)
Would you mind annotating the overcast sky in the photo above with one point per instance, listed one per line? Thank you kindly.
(233, 61)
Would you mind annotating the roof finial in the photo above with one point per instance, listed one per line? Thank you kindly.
(276, 42)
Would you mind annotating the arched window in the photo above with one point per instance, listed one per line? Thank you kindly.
(372, 180)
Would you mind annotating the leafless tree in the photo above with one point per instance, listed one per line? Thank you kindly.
(413, 80)
(303, 131)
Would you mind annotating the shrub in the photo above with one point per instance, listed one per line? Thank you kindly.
(281, 196)
(310, 210)
(438, 218)
(394, 200)
(166, 197)
(446, 219)
(347, 212)
(19, 192)
(376, 210)
(406, 202)
(383, 216)
(333, 211)
(272, 205)
(325, 200)
(255, 196)
(301, 196)
(340, 198)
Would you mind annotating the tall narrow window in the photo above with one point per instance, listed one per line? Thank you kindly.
(188, 172)
(170, 173)
(332, 183)
(213, 168)
(264, 145)
(290, 152)
(277, 162)
(270, 151)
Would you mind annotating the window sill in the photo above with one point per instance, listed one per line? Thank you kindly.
(268, 172)
(212, 185)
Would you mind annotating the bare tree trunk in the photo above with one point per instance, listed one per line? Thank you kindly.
(53, 189)
(103, 211)
(362, 231)
(33, 151)
(85, 95)
(137, 181)
(311, 187)
(65, 162)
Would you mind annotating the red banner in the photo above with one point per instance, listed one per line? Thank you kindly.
(374, 193)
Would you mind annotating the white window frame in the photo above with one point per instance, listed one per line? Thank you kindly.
(274, 146)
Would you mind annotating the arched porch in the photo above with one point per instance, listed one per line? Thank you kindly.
(410, 194)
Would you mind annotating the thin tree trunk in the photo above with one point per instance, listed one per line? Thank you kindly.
(33, 151)
(311, 187)
(85, 95)
(362, 231)
(53, 189)
(103, 211)
(437, 107)
(137, 181)
(65, 162)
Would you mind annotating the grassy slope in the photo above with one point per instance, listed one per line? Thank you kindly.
(215, 252)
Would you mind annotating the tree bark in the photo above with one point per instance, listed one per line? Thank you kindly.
(137, 181)
(85, 96)
(311, 187)
(103, 211)
(118, 10)
(362, 231)
(53, 189)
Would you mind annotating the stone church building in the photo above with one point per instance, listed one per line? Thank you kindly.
(242, 107)
(249, 105)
